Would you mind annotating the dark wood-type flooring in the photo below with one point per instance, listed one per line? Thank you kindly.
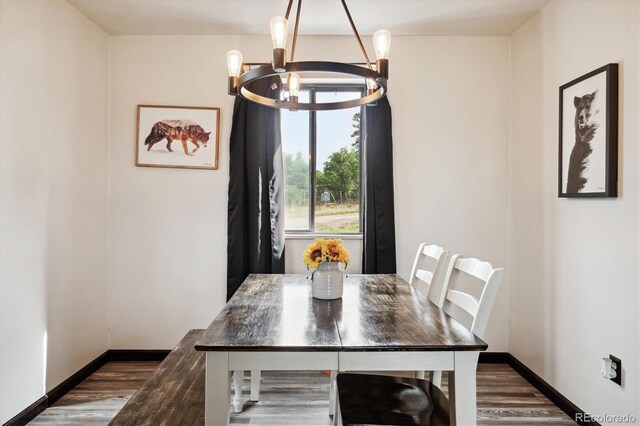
(295, 398)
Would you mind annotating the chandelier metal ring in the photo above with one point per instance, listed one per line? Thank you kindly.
(266, 71)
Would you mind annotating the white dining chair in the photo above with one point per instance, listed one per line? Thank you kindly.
(424, 279)
(479, 309)
(471, 311)
(428, 280)
(238, 379)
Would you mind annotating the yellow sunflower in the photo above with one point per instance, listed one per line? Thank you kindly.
(313, 255)
(322, 250)
(333, 247)
(341, 255)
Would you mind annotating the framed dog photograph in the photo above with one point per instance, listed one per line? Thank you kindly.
(178, 136)
(588, 135)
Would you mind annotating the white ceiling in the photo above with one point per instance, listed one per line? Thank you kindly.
(319, 17)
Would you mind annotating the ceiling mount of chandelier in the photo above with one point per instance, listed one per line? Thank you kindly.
(376, 79)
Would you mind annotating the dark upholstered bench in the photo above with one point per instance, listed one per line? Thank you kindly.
(174, 395)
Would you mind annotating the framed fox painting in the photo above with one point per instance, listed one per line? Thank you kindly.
(588, 140)
(178, 136)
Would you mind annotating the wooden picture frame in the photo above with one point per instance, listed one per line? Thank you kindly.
(183, 137)
(588, 135)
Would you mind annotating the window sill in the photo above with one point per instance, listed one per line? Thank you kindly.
(310, 236)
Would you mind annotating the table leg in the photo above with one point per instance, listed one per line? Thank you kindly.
(217, 387)
(462, 389)
(255, 385)
(238, 378)
(332, 393)
(436, 378)
(337, 416)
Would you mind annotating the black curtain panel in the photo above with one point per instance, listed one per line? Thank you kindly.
(256, 189)
(379, 255)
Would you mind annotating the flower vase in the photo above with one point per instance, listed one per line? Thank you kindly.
(327, 280)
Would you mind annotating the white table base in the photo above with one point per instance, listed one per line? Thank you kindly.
(461, 366)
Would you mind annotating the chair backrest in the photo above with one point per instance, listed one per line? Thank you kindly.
(478, 308)
(428, 281)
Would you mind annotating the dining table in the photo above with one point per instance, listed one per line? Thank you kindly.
(380, 323)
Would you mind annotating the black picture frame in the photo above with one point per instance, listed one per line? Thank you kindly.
(573, 164)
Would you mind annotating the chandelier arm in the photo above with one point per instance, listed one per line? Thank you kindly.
(286, 14)
(355, 32)
(295, 30)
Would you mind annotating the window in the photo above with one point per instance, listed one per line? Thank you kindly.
(321, 154)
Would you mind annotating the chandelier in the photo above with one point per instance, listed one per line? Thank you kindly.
(241, 75)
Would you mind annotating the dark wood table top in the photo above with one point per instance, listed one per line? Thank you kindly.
(376, 313)
(273, 313)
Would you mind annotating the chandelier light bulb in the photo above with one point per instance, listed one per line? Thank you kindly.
(234, 62)
(294, 84)
(279, 32)
(382, 43)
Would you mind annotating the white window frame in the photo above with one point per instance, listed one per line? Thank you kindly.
(313, 88)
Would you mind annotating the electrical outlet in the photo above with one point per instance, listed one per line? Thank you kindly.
(618, 367)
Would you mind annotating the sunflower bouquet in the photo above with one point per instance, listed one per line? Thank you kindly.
(322, 250)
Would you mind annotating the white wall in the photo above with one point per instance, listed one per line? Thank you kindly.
(53, 215)
(574, 262)
(168, 227)
(167, 256)
(450, 99)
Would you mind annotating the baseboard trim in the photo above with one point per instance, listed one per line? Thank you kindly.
(29, 413)
(493, 358)
(32, 411)
(59, 391)
(137, 354)
(63, 388)
(549, 391)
